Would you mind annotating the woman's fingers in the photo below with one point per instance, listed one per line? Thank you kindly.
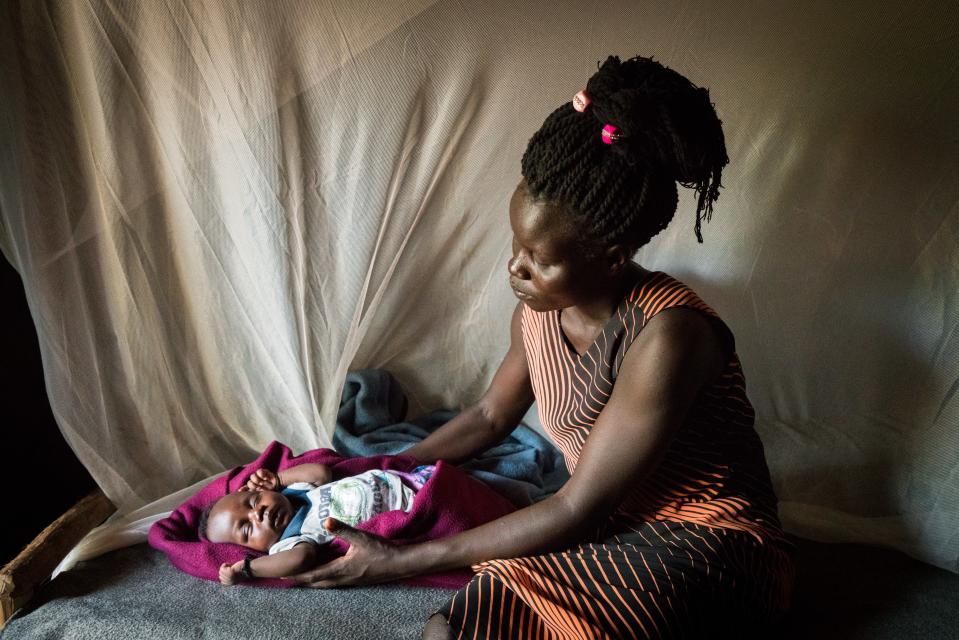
(369, 560)
(351, 569)
(326, 584)
(341, 529)
(322, 577)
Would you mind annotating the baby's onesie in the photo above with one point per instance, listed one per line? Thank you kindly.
(350, 500)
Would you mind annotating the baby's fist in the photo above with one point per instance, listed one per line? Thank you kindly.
(263, 480)
(230, 573)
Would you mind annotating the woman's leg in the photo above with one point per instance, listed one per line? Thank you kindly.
(437, 629)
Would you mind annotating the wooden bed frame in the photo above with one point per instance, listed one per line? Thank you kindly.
(32, 566)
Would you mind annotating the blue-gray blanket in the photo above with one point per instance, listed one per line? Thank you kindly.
(525, 467)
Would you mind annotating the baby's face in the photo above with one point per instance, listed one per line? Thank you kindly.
(254, 519)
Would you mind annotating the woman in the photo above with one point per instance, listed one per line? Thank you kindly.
(668, 525)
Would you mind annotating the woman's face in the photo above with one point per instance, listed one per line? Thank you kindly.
(548, 269)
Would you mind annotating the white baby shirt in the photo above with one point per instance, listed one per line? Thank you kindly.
(350, 500)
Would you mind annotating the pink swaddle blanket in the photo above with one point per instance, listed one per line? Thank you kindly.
(448, 503)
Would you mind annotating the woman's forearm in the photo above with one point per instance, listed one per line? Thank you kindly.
(546, 526)
(466, 435)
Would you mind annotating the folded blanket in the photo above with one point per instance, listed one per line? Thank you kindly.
(524, 467)
(448, 503)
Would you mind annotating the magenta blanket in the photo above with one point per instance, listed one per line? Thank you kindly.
(450, 502)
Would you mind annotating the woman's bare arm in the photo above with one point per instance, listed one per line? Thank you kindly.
(497, 413)
(670, 361)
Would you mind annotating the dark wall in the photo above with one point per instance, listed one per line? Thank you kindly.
(38, 466)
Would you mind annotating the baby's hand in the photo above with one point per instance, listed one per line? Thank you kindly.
(231, 574)
(262, 480)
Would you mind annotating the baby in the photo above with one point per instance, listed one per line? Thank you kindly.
(283, 514)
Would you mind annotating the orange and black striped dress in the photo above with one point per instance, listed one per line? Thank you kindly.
(695, 550)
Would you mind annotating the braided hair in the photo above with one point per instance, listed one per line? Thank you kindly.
(625, 193)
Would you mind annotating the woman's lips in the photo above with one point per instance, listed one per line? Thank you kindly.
(520, 294)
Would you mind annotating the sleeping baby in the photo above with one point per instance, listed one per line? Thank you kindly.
(283, 514)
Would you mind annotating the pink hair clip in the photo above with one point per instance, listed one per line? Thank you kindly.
(609, 134)
(580, 101)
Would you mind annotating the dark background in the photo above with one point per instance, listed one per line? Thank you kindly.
(42, 477)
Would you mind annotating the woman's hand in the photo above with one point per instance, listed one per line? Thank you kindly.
(262, 480)
(369, 560)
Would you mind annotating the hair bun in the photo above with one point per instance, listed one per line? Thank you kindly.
(667, 124)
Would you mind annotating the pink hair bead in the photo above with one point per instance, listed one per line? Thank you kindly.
(580, 101)
(609, 134)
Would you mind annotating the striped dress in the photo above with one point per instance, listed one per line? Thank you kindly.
(695, 550)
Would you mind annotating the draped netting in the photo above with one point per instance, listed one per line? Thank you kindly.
(220, 208)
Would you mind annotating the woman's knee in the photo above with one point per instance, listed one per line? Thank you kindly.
(437, 629)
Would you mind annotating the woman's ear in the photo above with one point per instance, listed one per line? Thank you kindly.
(617, 257)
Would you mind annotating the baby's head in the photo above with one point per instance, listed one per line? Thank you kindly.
(254, 519)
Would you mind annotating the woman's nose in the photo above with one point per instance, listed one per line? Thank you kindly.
(516, 269)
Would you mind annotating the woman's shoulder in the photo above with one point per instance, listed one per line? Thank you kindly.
(657, 291)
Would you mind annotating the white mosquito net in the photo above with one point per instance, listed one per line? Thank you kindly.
(220, 208)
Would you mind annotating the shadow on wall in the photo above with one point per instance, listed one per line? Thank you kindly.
(847, 409)
(846, 318)
(860, 460)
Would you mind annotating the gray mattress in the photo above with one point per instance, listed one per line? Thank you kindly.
(843, 591)
(137, 593)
